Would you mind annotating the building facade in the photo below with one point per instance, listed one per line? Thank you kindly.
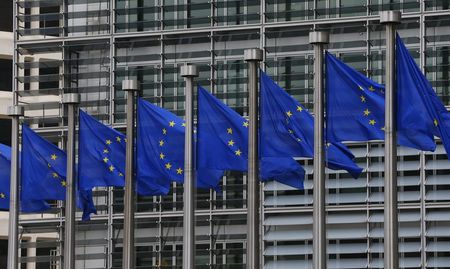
(90, 46)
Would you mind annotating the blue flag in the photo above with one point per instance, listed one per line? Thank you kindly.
(5, 177)
(287, 129)
(101, 154)
(44, 172)
(421, 113)
(223, 144)
(160, 152)
(355, 109)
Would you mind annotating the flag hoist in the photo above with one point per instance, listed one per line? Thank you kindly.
(253, 57)
(390, 19)
(72, 100)
(131, 88)
(189, 72)
(15, 112)
(319, 40)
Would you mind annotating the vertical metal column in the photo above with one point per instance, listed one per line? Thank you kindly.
(253, 57)
(15, 112)
(72, 100)
(128, 260)
(390, 19)
(189, 72)
(319, 39)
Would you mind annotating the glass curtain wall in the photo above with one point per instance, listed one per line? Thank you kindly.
(89, 47)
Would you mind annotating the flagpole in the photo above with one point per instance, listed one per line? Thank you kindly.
(319, 40)
(128, 260)
(15, 112)
(189, 72)
(72, 100)
(253, 57)
(390, 19)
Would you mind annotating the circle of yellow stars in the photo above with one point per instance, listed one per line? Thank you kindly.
(162, 142)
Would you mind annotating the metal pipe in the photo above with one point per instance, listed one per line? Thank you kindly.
(189, 72)
(15, 112)
(390, 19)
(72, 100)
(128, 261)
(253, 57)
(318, 40)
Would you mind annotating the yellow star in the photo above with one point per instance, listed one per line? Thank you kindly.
(2, 195)
(363, 99)
(238, 152)
(183, 124)
(49, 165)
(118, 139)
(230, 131)
(371, 88)
(383, 128)
(299, 108)
(105, 160)
(162, 156)
(231, 143)
(366, 112)
(289, 114)
(179, 171)
(108, 142)
(161, 143)
(111, 168)
(436, 123)
(299, 140)
(372, 122)
(125, 140)
(168, 166)
(120, 175)
(105, 151)
(171, 123)
(55, 175)
(54, 157)
(245, 124)
(290, 131)
(164, 131)
(360, 87)
(63, 183)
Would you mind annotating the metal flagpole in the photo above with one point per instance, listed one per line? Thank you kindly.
(319, 39)
(189, 72)
(15, 112)
(72, 100)
(253, 57)
(390, 19)
(128, 260)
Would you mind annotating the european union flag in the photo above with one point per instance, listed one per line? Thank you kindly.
(102, 153)
(43, 168)
(223, 144)
(160, 152)
(287, 129)
(355, 109)
(44, 172)
(5, 176)
(421, 113)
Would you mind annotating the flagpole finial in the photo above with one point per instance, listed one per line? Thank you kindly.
(189, 70)
(71, 98)
(319, 37)
(130, 85)
(254, 54)
(15, 111)
(390, 16)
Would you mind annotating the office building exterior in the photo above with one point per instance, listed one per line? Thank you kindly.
(90, 46)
